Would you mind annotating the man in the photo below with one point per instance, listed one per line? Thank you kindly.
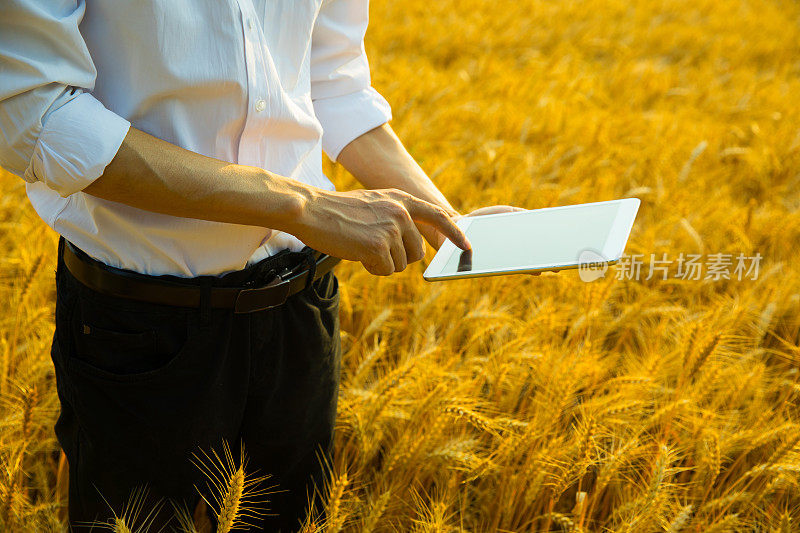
(176, 148)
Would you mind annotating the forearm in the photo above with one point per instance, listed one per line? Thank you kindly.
(152, 174)
(374, 227)
(378, 160)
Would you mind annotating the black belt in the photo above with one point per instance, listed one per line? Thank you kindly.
(242, 300)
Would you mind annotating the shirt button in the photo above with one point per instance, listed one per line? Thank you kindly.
(261, 105)
(249, 24)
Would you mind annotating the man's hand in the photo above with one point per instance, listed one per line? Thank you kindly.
(379, 160)
(436, 238)
(375, 227)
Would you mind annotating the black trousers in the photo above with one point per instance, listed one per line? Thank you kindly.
(143, 387)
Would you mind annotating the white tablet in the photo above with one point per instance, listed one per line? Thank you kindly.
(555, 238)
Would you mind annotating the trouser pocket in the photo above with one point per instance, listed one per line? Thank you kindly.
(126, 341)
(142, 387)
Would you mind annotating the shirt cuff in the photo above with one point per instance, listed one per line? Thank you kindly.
(77, 141)
(346, 117)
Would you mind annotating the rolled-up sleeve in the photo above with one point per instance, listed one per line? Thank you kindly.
(51, 127)
(344, 101)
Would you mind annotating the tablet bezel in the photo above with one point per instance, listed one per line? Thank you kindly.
(612, 249)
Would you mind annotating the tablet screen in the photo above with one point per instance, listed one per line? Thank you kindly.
(537, 238)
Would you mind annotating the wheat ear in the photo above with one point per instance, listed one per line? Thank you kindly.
(236, 498)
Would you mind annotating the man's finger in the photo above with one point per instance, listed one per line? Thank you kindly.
(379, 262)
(399, 257)
(423, 211)
(380, 267)
(414, 244)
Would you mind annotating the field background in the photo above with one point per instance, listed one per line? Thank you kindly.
(540, 403)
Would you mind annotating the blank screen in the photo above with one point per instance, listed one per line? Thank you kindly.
(534, 239)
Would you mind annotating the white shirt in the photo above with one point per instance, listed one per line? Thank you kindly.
(267, 83)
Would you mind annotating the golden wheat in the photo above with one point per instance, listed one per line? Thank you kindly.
(238, 498)
(521, 403)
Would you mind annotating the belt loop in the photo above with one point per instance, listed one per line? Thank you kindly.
(312, 266)
(205, 302)
(60, 253)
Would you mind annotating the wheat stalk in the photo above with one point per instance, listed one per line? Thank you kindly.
(238, 499)
(374, 512)
(681, 520)
(228, 515)
(334, 516)
(120, 526)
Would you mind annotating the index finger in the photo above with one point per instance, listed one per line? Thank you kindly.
(423, 211)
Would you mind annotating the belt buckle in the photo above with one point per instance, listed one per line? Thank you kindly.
(249, 300)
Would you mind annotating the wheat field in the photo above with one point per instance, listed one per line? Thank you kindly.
(538, 403)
